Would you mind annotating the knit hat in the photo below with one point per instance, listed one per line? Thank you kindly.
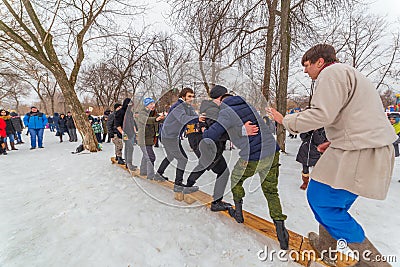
(33, 107)
(218, 91)
(116, 105)
(147, 101)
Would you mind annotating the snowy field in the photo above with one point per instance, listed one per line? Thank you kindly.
(60, 209)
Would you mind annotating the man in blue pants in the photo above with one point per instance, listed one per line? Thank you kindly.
(36, 122)
(359, 157)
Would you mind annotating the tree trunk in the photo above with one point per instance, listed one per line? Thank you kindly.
(281, 98)
(52, 104)
(81, 121)
(272, 5)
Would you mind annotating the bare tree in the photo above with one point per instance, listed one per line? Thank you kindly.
(221, 32)
(34, 27)
(365, 43)
(388, 98)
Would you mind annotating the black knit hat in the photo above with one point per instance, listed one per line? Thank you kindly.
(116, 105)
(218, 91)
(393, 115)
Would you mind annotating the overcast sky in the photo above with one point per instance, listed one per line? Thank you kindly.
(159, 10)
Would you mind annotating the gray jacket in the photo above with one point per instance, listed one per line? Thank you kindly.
(178, 116)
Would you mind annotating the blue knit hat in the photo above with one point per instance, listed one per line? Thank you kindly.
(147, 101)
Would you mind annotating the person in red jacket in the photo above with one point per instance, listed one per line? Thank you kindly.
(3, 134)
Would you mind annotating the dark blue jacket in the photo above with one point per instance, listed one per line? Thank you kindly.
(56, 118)
(234, 113)
(35, 120)
(178, 116)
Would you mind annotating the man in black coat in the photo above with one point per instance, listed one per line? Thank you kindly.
(218, 165)
(71, 128)
(118, 129)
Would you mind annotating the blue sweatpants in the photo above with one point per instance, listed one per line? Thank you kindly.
(330, 207)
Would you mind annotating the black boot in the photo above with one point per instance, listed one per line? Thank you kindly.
(282, 234)
(121, 161)
(159, 177)
(219, 205)
(13, 146)
(185, 189)
(237, 211)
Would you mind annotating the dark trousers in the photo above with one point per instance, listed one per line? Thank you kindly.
(98, 137)
(306, 169)
(174, 150)
(221, 169)
(72, 135)
(194, 140)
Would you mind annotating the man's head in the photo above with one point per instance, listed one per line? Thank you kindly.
(187, 94)
(393, 118)
(69, 113)
(316, 58)
(217, 92)
(34, 109)
(149, 103)
(117, 106)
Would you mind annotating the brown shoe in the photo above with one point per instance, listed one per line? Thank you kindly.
(373, 254)
(306, 179)
(323, 242)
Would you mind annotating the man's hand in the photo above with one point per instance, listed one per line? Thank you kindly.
(159, 118)
(322, 147)
(202, 117)
(276, 116)
(250, 128)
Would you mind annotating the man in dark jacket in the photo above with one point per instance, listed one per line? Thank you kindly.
(18, 126)
(111, 130)
(62, 126)
(71, 128)
(119, 129)
(210, 109)
(180, 114)
(258, 154)
(56, 118)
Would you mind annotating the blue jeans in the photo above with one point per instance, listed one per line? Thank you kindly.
(330, 207)
(36, 132)
(19, 138)
(11, 136)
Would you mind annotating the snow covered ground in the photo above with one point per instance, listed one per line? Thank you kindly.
(60, 209)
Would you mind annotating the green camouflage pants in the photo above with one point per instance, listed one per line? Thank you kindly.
(268, 169)
(118, 146)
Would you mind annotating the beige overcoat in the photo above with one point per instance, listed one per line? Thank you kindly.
(360, 158)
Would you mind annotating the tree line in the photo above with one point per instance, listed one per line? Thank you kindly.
(60, 50)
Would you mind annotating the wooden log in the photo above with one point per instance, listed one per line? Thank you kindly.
(179, 196)
(189, 199)
(297, 242)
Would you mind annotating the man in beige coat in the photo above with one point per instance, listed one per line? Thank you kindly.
(359, 157)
